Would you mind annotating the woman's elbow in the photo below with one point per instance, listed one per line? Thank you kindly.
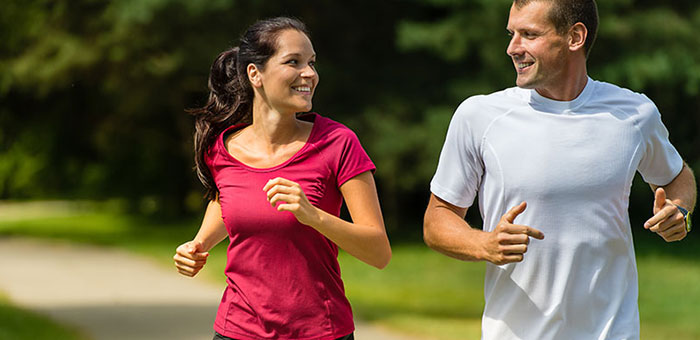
(383, 259)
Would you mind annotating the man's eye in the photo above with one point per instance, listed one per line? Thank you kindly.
(312, 63)
(292, 62)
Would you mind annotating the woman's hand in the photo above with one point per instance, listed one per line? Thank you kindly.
(287, 195)
(364, 238)
(189, 258)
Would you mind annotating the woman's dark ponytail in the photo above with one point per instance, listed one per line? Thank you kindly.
(230, 101)
(230, 93)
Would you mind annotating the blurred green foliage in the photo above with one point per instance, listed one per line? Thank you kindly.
(92, 93)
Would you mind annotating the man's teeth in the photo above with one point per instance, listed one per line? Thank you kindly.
(524, 65)
(302, 88)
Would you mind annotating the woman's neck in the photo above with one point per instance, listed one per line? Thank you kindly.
(274, 129)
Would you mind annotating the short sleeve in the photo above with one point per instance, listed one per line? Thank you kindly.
(210, 158)
(660, 162)
(353, 159)
(460, 167)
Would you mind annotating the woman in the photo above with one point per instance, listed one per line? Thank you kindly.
(276, 182)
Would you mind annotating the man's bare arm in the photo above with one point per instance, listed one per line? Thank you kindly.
(446, 231)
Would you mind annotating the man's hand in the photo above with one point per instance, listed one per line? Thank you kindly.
(508, 242)
(667, 221)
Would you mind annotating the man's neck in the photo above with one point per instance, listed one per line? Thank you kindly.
(570, 85)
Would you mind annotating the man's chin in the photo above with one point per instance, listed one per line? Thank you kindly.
(525, 85)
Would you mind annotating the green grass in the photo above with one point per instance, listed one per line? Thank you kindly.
(421, 292)
(20, 324)
(669, 297)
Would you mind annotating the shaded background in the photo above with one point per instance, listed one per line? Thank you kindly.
(92, 100)
(92, 93)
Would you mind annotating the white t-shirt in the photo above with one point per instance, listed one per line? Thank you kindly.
(573, 163)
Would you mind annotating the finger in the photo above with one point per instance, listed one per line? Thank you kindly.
(291, 207)
(514, 212)
(190, 247)
(187, 271)
(505, 259)
(185, 268)
(676, 228)
(532, 232)
(185, 262)
(280, 189)
(270, 184)
(199, 256)
(196, 246)
(670, 222)
(184, 272)
(523, 229)
(659, 199)
(283, 198)
(513, 228)
(679, 235)
(660, 216)
(514, 249)
(185, 253)
(278, 181)
(508, 238)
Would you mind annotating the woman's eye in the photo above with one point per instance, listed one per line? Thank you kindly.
(312, 63)
(292, 62)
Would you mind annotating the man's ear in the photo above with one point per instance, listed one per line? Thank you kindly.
(577, 36)
(254, 75)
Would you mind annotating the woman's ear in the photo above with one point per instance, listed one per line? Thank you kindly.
(254, 75)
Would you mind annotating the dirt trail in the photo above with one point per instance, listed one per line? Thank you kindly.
(111, 294)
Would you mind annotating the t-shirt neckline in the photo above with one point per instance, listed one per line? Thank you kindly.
(558, 106)
(309, 117)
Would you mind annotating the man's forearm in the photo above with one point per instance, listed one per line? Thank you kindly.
(445, 231)
(682, 190)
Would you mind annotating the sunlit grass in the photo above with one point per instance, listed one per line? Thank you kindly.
(420, 292)
(20, 324)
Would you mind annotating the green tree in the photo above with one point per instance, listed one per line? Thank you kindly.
(92, 93)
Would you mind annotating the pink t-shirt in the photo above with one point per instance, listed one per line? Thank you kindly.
(283, 277)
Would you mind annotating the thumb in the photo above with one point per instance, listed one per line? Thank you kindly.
(514, 212)
(195, 246)
(659, 199)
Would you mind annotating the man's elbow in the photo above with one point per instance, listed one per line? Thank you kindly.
(428, 232)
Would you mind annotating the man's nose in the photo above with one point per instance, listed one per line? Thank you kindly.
(514, 46)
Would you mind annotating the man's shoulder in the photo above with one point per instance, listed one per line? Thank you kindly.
(619, 99)
(611, 93)
(485, 105)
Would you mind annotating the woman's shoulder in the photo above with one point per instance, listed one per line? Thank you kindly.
(217, 146)
(329, 129)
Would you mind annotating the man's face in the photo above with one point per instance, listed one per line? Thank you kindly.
(539, 53)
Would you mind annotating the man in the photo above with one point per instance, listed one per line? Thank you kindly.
(553, 161)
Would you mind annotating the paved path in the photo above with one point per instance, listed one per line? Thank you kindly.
(112, 294)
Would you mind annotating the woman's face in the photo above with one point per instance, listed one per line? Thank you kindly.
(288, 79)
